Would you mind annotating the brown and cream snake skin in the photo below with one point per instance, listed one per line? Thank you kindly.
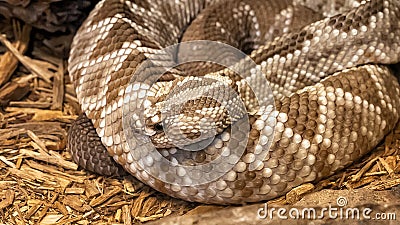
(327, 64)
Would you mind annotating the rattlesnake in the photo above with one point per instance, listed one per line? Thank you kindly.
(326, 66)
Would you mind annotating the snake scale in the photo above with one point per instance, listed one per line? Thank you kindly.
(328, 68)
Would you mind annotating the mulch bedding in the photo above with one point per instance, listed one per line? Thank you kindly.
(39, 182)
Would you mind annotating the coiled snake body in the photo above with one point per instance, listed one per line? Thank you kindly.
(326, 65)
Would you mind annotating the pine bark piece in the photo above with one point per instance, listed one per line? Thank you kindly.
(53, 171)
(8, 62)
(102, 198)
(91, 189)
(50, 219)
(9, 199)
(42, 147)
(138, 204)
(61, 208)
(74, 191)
(58, 88)
(126, 215)
(13, 91)
(50, 159)
(39, 68)
(7, 162)
(42, 213)
(26, 104)
(33, 210)
(75, 202)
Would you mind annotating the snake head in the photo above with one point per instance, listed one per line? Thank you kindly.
(189, 110)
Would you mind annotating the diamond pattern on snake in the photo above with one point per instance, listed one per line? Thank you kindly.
(233, 101)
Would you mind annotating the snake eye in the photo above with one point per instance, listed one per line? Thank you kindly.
(158, 127)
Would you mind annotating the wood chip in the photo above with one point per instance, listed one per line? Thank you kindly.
(8, 62)
(40, 114)
(51, 219)
(31, 174)
(363, 170)
(137, 206)
(74, 191)
(386, 166)
(76, 203)
(8, 200)
(153, 217)
(72, 220)
(58, 88)
(8, 163)
(44, 168)
(39, 143)
(43, 212)
(91, 189)
(50, 159)
(13, 91)
(61, 207)
(361, 182)
(102, 198)
(33, 210)
(26, 104)
(34, 66)
(126, 215)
